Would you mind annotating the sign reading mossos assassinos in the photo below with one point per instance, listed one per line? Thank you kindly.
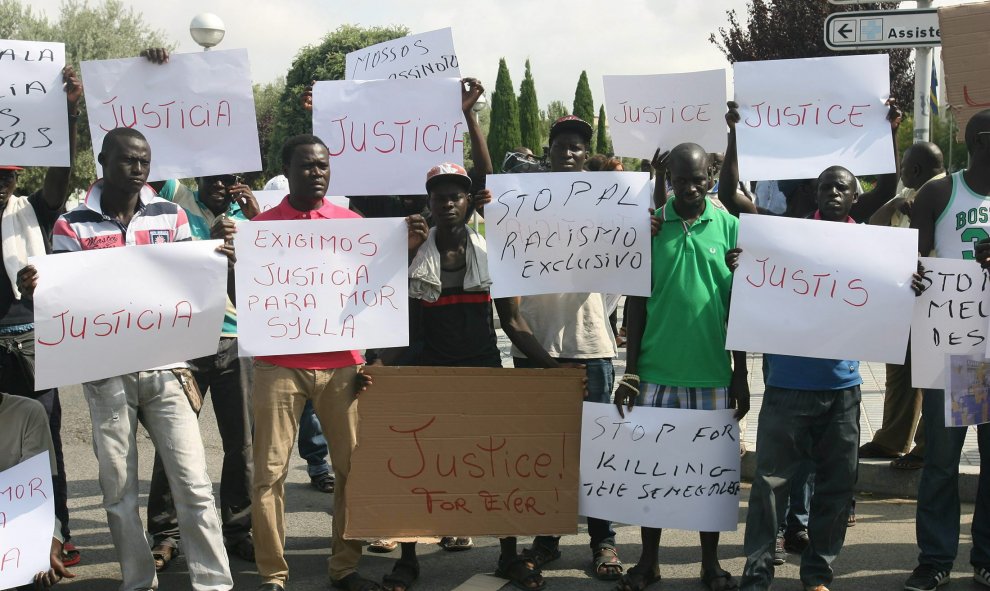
(466, 451)
(797, 122)
(426, 55)
(27, 520)
(92, 321)
(660, 467)
(663, 110)
(34, 129)
(562, 232)
(950, 318)
(803, 287)
(882, 29)
(308, 286)
(384, 135)
(197, 111)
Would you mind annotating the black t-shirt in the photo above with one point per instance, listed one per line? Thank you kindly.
(13, 312)
(458, 329)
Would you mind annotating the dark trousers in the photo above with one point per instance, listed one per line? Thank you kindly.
(795, 426)
(17, 377)
(312, 444)
(228, 379)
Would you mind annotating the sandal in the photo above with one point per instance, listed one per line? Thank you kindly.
(70, 555)
(875, 451)
(522, 573)
(323, 483)
(163, 555)
(637, 580)
(719, 580)
(403, 575)
(355, 582)
(383, 546)
(541, 555)
(606, 564)
(908, 462)
(452, 544)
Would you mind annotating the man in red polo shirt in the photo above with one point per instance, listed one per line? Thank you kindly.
(283, 384)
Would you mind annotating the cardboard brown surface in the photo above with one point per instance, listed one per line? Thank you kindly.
(512, 437)
(965, 50)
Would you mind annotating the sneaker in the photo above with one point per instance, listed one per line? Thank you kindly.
(926, 577)
(797, 542)
(981, 575)
(779, 554)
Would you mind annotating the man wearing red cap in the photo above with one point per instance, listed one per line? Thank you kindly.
(26, 230)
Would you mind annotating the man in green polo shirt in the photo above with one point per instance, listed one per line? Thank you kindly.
(226, 376)
(676, 355)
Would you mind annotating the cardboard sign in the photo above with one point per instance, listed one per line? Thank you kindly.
(197, 111)
(466, 452)
(272, 197)
(562, 232)
(308, 286)
(427, 55)
(967, 390)
(384, 135)
(93, 320)
(34, 125)
(965, 44)
(797, 120)
(660, 467)
(805, 288)
(950, 318)
(27, 520)
(663, 110)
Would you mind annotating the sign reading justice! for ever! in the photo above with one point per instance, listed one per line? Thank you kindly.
(306, 286)
(564, 232)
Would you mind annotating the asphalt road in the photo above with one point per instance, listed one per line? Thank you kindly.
(879, 552)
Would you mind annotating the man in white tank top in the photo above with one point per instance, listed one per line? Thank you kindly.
(952, 216)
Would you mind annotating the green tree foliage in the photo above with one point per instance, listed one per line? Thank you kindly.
(530, 125)
(107, 30)
(317, 62)
(786, 29)
(504, 134)
(603, 143)
(555, 110)
(584, 104)
(940, 136)
(266, 102)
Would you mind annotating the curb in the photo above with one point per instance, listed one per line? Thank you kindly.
(878, 478)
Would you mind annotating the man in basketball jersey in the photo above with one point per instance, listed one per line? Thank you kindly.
(952, 216)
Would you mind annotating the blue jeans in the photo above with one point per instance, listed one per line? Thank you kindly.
(601, 376)
(937, 522)
(312, 444)
(796, 426)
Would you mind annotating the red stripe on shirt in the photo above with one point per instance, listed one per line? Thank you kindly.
(463, 298)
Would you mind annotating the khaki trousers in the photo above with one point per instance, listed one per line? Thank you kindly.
(279, 396)
(901, 412)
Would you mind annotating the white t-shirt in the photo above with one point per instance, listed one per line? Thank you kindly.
(569, 325)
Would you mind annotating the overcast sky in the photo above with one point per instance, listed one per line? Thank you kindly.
(560, 38)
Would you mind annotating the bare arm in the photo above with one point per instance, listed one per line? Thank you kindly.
(55, 190)
(520, 334)
(628, 389)
(728, 178)
(928, 205)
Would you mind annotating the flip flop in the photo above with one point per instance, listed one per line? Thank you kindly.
(70, 555)
(710, 578)
(637, 580)
(520, 570)
(403, 575)
(606, 556)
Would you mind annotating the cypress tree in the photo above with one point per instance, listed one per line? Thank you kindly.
(529, 114)
(602, 140)
(584, 104)
(504, 134)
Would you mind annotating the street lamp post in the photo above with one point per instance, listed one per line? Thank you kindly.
(207, 30)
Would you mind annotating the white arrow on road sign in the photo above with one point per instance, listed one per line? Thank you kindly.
(882, 29)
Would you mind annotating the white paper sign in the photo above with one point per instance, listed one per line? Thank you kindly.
(801, 116)
(660, 467)
(34, 125)
(967, 390)
(427, 55)
(569, 232)
(104, 313)
(950, 318)
(197, 111)
(308, 286)
(663, 110)
(384, 135)
(27, 520)
(272, 197)
(811, 288)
